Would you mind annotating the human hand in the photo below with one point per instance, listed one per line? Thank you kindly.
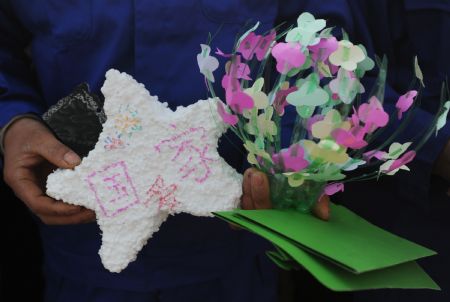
(442, 165)
(31, 152)
(256, 194)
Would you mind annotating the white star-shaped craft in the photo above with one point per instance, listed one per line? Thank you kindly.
(148, 163)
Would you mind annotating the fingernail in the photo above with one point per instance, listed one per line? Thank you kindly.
(72, 158)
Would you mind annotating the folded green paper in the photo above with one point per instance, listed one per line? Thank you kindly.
(346, 253)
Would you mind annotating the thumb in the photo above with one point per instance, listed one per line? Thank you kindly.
(56, 152)
(260, 191)
(322, 208)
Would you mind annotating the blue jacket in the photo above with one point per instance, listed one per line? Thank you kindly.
(68, 42)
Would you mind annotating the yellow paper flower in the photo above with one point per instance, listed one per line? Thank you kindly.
(347, 55)
(259, 98)
(332, 120)
(255, 151)
(326, 151)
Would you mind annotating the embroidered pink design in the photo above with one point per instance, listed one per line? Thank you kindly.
(113, 189)
(126, 123)
(162, 194)
(112, 143)
(192, 155)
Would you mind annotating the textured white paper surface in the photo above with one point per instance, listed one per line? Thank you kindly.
(149, 162)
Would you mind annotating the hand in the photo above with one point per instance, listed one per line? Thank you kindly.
(31, 152)
(256, 194)
(442, 165)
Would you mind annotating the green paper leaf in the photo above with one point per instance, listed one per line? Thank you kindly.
(307, 64)
(418, 71)
(293, 72)
(295, 179)
(345, 35)
(326, 32)
(324, 69)
(442, 120)
(331, 173)
(305, 111)
(252, 29)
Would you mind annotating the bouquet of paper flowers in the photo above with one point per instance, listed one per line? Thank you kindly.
(335, 130)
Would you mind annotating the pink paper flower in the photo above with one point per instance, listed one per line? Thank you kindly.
(230, 83)
(256, 44)
(354, 118)
(333, 188)
(374, 153)
(239, 101)
(405, 101)
(354, 138)
(227, 118)
(291, 160)
(237, 69)
(373, 115)
(403, 160)
(280, 99)
(322, 50)
(222, 54)
(288, 56)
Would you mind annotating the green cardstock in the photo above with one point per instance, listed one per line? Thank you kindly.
(407, 275)
(346, 239)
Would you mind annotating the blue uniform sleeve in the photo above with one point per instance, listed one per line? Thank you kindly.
(18, 93)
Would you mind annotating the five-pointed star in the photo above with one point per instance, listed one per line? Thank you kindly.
(149, 162)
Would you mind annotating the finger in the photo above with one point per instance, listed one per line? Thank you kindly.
(260, 191)
(246, 202)
(246, 198)
(55, 152)
(84, 216)
(322, 208)
(246, 182)
(27, 189)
